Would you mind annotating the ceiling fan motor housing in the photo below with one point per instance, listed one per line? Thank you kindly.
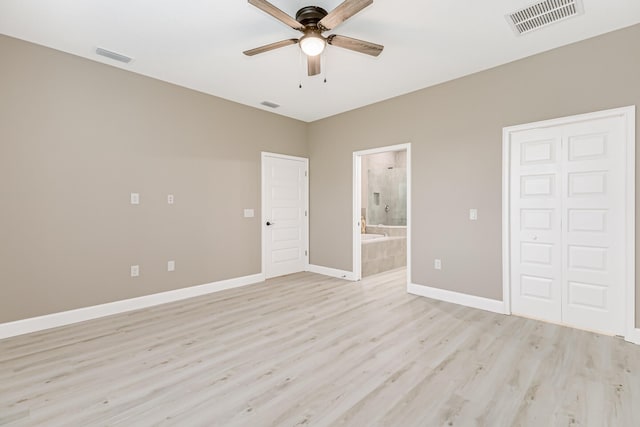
(309, 16)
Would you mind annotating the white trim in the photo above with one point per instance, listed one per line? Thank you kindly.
(396, 147)
(631, 332)
(409, 216)
(629, 114)
(633, 336)
(495, 306)
(263, 216)
(506, 222)
(63, 318)
(331, 272)
(357, 215)
(357, 201)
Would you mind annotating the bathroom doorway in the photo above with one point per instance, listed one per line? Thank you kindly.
(382, 210)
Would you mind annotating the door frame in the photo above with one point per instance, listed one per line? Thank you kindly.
(263, 216)
(357, 205)
(629, 115)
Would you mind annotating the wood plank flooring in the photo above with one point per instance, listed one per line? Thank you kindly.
(308, 350)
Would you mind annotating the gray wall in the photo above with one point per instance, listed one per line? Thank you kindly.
(77, 137)
(456, 134)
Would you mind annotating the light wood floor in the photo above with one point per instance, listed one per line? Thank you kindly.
(307, 350)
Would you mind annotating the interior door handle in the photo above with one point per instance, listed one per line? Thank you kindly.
(270, 223)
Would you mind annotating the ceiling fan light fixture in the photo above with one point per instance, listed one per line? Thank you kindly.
(312, 44)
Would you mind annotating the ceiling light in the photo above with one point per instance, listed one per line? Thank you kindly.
(312, 44)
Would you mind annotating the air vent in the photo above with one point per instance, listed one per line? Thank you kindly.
(269, 104)
(113, 55)
(542, 14)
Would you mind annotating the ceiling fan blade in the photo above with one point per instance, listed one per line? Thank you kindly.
(313, 65)
(344, 11)
(267, 7)
(361, 46)
(270, 46)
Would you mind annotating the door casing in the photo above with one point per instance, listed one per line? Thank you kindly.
(357, 202)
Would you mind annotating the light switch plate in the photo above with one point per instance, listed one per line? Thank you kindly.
(437, 264)
(473, 214)
(135, 270)
(135, 198)
(248, 213)
(171, 266)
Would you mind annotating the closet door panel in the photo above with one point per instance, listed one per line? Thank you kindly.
(593, 221)
(535, 224)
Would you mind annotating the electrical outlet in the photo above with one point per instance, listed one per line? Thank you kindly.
(171, 266)
(135, 198)
(135, 270)
(473, 214)
(170, 199)
(437, 264)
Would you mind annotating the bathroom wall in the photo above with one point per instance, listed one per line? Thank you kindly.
(384, 183)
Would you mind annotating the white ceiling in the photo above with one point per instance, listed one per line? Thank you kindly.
(198, 44)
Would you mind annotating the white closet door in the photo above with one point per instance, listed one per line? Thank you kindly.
(594, 221)
(536, 253)
(567, 224)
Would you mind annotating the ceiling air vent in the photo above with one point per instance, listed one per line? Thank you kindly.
(113, 55)
(269, 104)
(542, 14)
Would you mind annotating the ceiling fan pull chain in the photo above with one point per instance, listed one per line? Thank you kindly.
(301, 66)
(324, 65)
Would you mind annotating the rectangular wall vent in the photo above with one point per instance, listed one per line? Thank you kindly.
(542, 14)
(113, 55)
(269, 104)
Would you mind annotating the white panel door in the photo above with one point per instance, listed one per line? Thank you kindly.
(567, 224)
(594, 218)
(285, 202)
(536, 246)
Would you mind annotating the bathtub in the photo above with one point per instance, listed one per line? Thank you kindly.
(383, 248)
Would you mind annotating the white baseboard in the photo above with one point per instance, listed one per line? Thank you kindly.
(48, 321)
(332, 272)
(457, 298)
(633, 336)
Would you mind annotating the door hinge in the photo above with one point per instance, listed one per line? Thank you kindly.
(305, 253)
(305, 213)
(305, 173)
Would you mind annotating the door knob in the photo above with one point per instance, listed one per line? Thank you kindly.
(270, 223)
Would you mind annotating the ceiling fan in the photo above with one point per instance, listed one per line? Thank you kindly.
(312, 21)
